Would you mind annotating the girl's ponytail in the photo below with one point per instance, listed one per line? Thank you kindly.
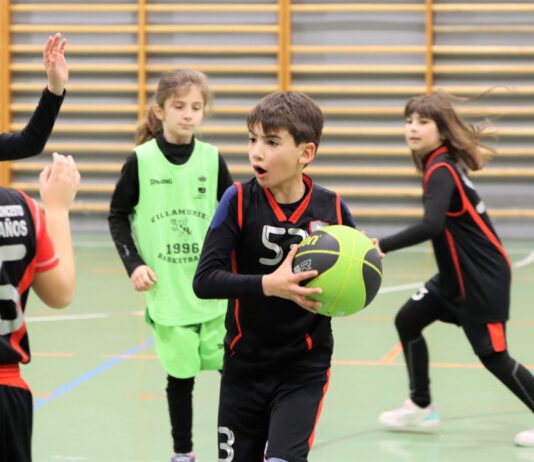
(149, 128)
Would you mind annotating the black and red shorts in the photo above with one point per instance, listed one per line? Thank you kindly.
(16, 416)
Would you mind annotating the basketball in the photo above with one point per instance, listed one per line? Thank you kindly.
(350, 270)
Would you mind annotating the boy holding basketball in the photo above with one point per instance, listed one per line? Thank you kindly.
(277, 349)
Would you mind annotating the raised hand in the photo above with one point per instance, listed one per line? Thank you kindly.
(55, 64)
(58, 183)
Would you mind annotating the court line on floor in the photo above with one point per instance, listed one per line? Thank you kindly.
(529, 259)
(67, 317)
(440, 365)
(75, 383)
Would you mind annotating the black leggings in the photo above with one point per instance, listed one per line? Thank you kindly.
(426, 308)
(180, 401)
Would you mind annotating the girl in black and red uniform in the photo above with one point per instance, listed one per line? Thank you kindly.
(472, 286)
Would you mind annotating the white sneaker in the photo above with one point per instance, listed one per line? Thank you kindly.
(525, 438)
(411, 417)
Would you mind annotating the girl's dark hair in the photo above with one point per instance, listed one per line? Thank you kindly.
(289, 110)
(462, 139)
(178, 81)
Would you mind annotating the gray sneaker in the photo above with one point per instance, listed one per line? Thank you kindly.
(410, 417)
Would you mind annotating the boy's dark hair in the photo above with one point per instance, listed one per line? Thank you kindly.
(290, 110)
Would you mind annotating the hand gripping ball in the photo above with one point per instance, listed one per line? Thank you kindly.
(350, 270)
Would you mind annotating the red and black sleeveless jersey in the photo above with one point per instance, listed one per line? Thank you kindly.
(250, 236)
(474, 269)
(25, 248)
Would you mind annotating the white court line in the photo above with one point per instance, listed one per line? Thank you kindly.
(387, 290)
(525, 261)
(529, 259)
(67, 317)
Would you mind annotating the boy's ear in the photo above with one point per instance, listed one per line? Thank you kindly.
(308, 153)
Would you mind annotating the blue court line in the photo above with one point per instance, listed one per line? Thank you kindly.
(92, 373)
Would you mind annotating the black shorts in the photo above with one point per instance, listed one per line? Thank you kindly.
(282, 408)
(428, 305)
(16, 414)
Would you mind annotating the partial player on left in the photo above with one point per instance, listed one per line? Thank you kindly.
(35, 252)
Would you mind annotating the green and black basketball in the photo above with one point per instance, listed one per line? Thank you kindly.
(350, 270)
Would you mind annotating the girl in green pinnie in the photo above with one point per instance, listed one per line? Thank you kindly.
(160, 211)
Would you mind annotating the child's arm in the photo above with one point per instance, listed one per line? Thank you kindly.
(214, 277)
(123, 201)
(58, 185)
(32, 138)
(436, 200)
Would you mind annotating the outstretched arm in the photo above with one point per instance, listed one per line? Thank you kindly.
(436, 201)
(32, 139)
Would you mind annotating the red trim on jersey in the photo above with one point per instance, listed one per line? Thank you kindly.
(463, 196)
(28, 276)
(309, 342)
(304, 204)
(325, 389)
(436, 153)
(35, 211)
(239, 204)
(497, 336)
(280, 215)
(24, 284)
(236, 308)
(46, 257)
(338, 209)
(468, 206)
(456, 261)
(10, 376)
(15, 339)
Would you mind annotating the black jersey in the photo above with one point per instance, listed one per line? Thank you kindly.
(253, 233)
(25, 248)
(474, 269)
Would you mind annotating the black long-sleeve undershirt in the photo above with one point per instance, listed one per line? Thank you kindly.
(126, 196)
(440, 197)
(32, 139)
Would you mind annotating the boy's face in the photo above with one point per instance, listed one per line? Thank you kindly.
(276, 160)
(181, 115)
